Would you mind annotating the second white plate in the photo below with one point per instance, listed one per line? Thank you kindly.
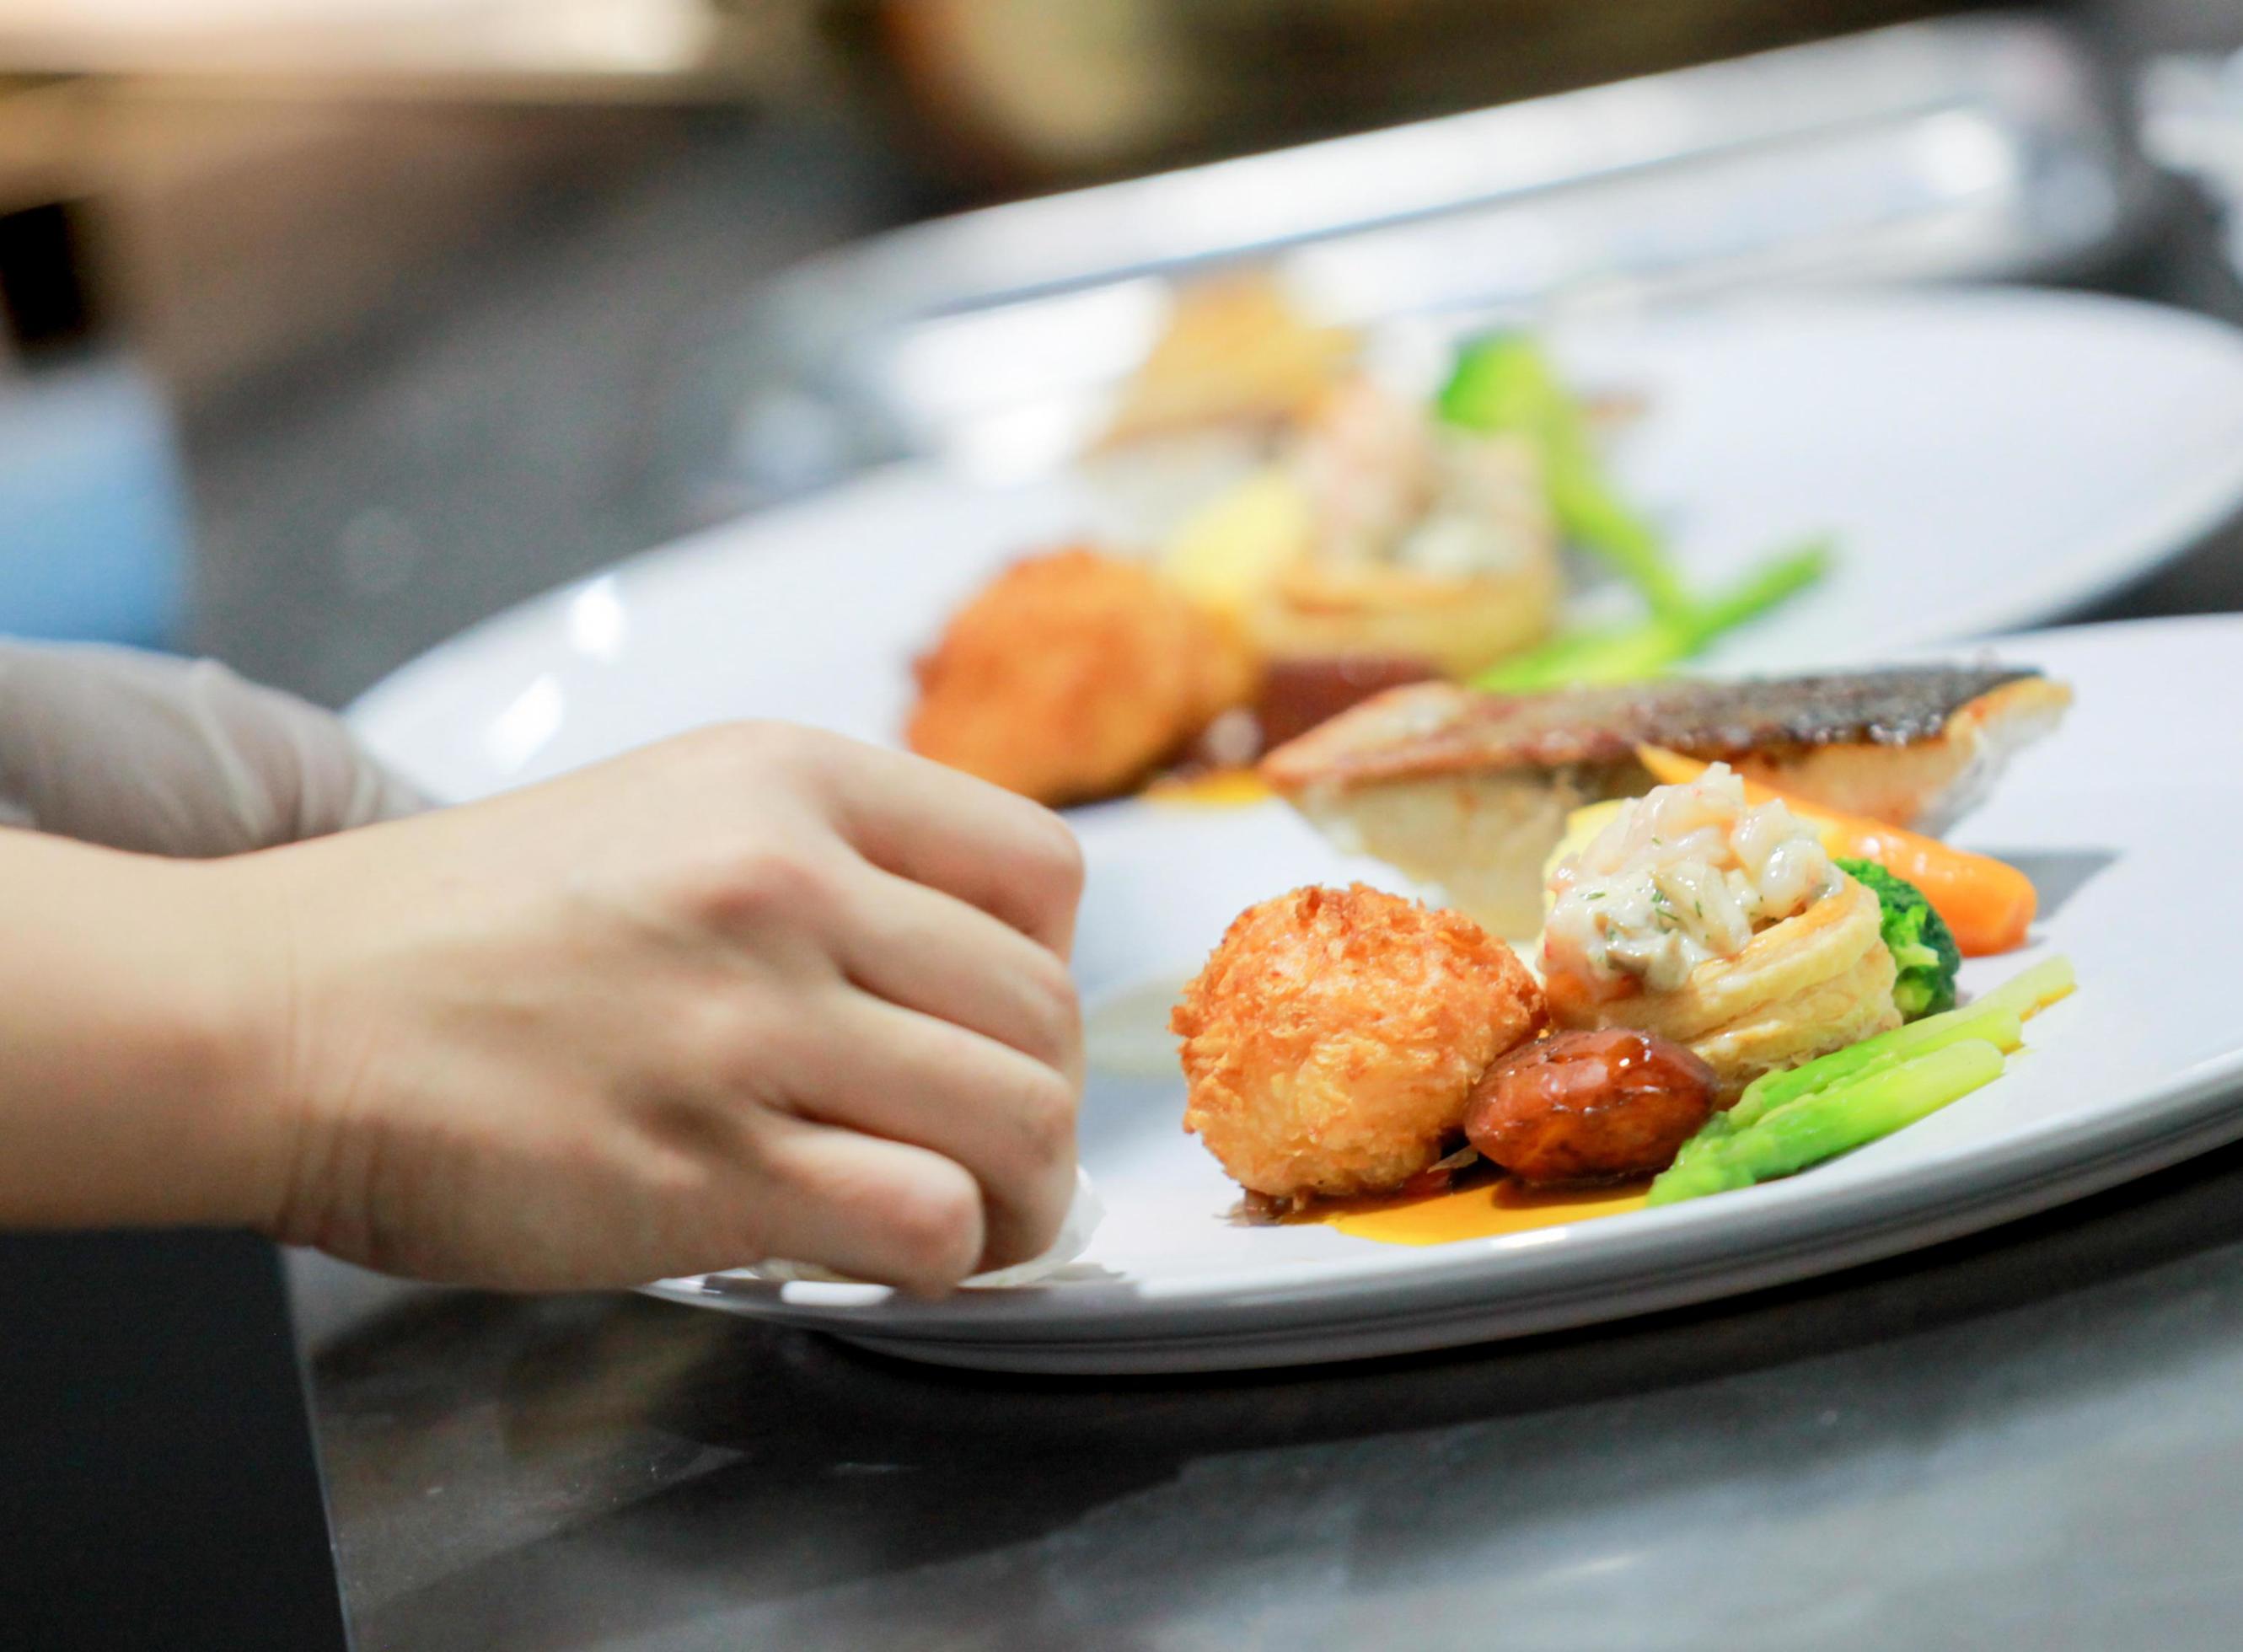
(1986, 458)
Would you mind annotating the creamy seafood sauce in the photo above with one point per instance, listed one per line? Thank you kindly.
(1684, 875)
(1387, 482)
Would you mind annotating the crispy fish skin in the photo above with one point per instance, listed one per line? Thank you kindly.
(1470, 790)
(1443, 728)
(1929, 783)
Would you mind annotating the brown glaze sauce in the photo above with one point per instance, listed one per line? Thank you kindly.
(1295, 696)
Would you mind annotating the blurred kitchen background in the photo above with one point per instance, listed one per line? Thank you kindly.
(327, 327)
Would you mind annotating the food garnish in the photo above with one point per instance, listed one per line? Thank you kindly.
(1924, 953)
(1236, 350)
(1653, 647)
(1504, 385)
(1720, 924)
(1826, 1123)
(1987, 904)
(1790, 1121)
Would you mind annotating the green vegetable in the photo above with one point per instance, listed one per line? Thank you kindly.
(1830, 1121)
(2025, 995)
(1855, 1094)
(1647, 648)
(1765, 1095)
(1923, 952)
(1503, 384)
(1996, 1017)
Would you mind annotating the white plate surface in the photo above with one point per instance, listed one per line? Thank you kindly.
(2126, 820)
(1986, 458)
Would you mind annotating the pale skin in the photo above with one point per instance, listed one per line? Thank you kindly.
(755, 992)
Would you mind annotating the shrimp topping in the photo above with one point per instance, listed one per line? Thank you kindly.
(1390, 483)
(1683, 875)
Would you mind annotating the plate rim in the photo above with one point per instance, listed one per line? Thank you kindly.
(2212, 1120)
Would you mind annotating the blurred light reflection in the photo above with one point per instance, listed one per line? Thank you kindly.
(519, 733)
(597, 623)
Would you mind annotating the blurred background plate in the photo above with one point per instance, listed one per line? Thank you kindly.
(1965, 148)
(1986, 458)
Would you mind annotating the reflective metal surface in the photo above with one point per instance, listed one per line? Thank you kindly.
(2030, 1439)
(1978, 147)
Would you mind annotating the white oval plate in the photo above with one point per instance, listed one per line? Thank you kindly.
(1987, 458)
(2127, 821)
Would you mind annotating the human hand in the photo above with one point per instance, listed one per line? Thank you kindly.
(174, 756)
(756, 991)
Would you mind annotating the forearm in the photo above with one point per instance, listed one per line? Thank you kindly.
(128, 1092)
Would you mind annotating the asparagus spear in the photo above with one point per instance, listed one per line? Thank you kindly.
(1645, 648)
(2030, 991)
(1773, 1091)
(1504, 384)
(1993, 1016)
(1831, 1121)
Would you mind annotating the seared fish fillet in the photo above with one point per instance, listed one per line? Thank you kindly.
(1471, 791)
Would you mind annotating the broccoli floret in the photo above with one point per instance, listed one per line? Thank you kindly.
(1923, 952)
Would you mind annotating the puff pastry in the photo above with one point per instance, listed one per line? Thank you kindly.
(1817, 981)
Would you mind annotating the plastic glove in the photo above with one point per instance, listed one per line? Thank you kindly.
(173, 757)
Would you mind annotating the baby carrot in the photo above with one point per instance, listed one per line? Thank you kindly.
(1988, 905)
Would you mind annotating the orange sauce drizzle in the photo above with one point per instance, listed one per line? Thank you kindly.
(1481, 1210)
(1217, 789)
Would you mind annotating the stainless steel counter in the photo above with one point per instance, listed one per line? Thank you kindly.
(2033, 1436)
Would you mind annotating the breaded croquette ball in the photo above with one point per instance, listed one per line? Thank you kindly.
(1333, 1039)
(1071, 675)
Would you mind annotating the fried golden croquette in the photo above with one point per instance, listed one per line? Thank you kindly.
(1072, 675)
(1331, 1043)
